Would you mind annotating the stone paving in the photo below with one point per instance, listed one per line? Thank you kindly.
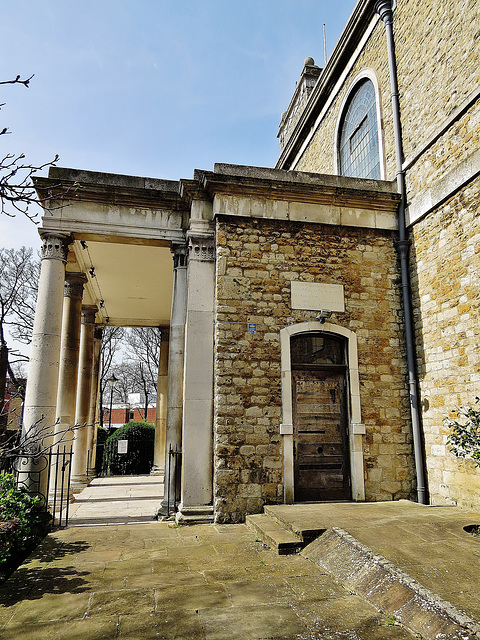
(152, 579)
(155, 580)
(118, 499)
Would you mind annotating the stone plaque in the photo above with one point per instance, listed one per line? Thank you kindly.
(314, 296)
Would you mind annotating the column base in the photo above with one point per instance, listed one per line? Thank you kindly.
(163, 512)
(202, 514)
(157, 471)
(78, 483)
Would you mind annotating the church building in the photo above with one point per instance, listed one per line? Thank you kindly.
(319, 319)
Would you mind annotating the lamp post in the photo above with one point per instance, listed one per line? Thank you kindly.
(111, 381)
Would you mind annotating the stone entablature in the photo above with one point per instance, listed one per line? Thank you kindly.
(113, 206)
(302, 197)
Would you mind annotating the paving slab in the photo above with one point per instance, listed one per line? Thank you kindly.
(117, 499)
(221, 583)
(426, 549)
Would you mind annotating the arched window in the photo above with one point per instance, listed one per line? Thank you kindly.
(358, 141)
(317, 349)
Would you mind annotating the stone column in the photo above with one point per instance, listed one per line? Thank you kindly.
(161, 413)
(94, 393)
(68, 366)
(84, 388)
(197, 477)
(175, 370)
(41, 393)
(69, 347)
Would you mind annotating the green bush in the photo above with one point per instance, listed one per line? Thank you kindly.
(464, 437)
(22, 520)
(139, 457)
(101, 439)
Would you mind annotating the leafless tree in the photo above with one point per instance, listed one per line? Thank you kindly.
(112, 339)
(19, 274)
(145, 344)
(17, 192)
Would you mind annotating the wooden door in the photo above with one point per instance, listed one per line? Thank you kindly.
(321, 458)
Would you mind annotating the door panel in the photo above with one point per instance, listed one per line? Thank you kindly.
(322, 469)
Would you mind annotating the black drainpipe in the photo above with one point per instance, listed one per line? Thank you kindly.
(385, 11)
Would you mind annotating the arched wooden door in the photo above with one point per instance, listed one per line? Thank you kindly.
(320, 416)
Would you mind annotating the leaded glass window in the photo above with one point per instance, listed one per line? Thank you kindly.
(359, 149)
(317, 349)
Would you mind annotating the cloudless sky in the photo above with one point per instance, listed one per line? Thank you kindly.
(153, 87)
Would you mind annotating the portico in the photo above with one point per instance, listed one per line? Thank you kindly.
(115, 253)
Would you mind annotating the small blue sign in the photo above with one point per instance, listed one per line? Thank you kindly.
(252, 328)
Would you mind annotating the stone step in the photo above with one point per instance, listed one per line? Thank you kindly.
(273, 534)
(306, 535)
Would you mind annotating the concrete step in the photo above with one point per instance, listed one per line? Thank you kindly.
(273, 534)
(305, 534)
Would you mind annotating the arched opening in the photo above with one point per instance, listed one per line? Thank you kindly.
(320, 417)
(321, 392)
(358, 139)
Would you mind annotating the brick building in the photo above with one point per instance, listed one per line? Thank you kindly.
(319, 318)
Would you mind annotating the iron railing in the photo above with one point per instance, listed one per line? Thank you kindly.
(174, 468)
(27, 469)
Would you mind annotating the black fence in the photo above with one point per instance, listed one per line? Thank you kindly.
(28, 470)
(174, 469)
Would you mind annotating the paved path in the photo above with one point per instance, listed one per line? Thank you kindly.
(117, 499)
(216, 582)
(155, 580)
(427, 543)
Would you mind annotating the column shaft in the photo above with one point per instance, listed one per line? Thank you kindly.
(69, 347)
(197, 477)
(84, 388)
(161, 412)
(176, 351)
(94, 393)
(41, 392)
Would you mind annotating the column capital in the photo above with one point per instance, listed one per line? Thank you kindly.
(74, 282)
(88, 313)
(98, 334)
(55, 246)
(180, 255)
(201, 246)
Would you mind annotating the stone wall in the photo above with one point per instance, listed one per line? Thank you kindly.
(445, 263)
(437, 58)
(256, 261)
(438, 75)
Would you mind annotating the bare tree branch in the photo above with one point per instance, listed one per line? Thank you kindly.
(17, 192)
(19, 274)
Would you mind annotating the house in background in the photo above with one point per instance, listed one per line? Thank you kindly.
(322, 316)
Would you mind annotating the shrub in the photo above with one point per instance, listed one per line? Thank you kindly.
(22, 520)
(139, 457)
(101, 439)
(464, 437)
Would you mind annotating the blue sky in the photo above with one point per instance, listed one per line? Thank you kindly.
(154, 87)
